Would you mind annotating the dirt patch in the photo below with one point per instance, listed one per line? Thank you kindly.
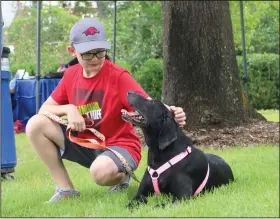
(254, 133)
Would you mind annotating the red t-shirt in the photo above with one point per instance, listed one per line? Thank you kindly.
(101, 98)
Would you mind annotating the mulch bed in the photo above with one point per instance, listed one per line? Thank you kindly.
(254, 133)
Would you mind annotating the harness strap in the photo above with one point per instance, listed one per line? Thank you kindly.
(156, 187)
(165, 166)
(92, 143)
(156, 173)
(203, 183)
(171, 162)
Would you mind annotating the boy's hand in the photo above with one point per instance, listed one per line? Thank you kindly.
(75, 120)
(179, 115)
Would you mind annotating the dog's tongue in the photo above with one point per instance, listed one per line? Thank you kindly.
(123, 111)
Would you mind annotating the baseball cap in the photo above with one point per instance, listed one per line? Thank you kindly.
(88, 34)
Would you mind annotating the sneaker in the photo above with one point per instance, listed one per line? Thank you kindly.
(61, 193)
(120, 186)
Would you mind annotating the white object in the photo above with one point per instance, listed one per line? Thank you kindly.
(22, 74)
(26, 75)
(5, 64)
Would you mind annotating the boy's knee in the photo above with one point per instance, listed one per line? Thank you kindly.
(34, 123)
(103, 170)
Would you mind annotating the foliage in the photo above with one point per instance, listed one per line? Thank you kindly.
(139, 32)
(139, 29)
(134, 47)
(55, 28)
(139, 42)
(64, 4)
(265, 38)
(150, 76)
(261, 24)
(104, 9)
(82, 8)
(263, 76)
(262, 72)
(124, 64)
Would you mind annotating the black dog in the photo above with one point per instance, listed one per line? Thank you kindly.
(165, 141)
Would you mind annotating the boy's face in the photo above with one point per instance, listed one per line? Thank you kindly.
(92, 61)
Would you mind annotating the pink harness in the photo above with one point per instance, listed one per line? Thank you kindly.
(170, 163)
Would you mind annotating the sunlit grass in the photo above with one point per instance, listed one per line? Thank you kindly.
(253, 194)
(270, 115)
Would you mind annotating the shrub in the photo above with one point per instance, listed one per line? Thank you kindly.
(150, 76)
(262, 74)
(263, 79)
(124, 64)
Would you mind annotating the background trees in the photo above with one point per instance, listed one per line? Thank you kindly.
(261, 26)
(55, 28)
(139, 42)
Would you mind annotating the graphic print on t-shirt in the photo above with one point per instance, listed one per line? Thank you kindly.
(89, 104)
(91, 110)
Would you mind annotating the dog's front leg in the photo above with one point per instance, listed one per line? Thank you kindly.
(179, 197)
(144, 190)
(181, 188)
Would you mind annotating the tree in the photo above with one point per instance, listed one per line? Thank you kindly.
(265, 37)
(55, 27)
(104, 9)
(83, 8)
(64, 4)
(34, 4)
(139, 32)
(261, 21)
(200, 68)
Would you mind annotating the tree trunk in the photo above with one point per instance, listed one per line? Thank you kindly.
(200, 67)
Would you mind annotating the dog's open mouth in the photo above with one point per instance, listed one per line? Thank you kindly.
(135, 118)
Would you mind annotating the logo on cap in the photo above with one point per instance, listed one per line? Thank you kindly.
(91, 31)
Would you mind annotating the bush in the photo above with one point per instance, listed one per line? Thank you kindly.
(262, 73)
(30, 68)
(263, 79)
(124, 65)
(150, 76)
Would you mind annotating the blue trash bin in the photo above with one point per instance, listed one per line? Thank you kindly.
(8, 150)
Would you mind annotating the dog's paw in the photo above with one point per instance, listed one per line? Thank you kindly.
(159, 206)
(130, 206)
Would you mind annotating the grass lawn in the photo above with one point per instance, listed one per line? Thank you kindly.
(254, 193)
(270, 115)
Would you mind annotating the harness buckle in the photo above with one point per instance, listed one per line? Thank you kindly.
(155, 173)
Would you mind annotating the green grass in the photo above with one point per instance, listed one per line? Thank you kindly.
(270, 115)
(255, 192)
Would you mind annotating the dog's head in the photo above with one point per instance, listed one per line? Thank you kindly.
(154, 118)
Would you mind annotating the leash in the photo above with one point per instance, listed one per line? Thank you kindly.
(156, 173)
(91, 143)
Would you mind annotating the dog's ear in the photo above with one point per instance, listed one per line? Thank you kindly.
(167, 134)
